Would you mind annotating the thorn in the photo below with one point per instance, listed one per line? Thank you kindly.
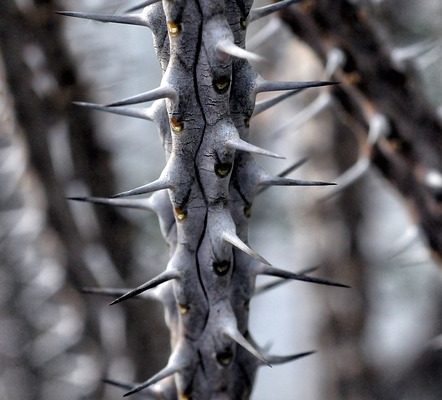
(285, 359)
(233, 333)
(241, 145)
(142, 5)
(135, 19)
(269, 286)
(272, 285)
(287, 171)
(261, 12)
(164, 373)
(273, 86)
(230, 48)
(161, 278)
(154, 94)
(235, 241)
(127, 386)
(293, 167)
(113, 292)
(129, 112)
(282, 181)
(119, 384)
(159, 184)
(267, 270)
(140, 204)
(308, 270)
(264, 105)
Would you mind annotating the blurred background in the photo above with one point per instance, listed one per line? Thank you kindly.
(382, 339)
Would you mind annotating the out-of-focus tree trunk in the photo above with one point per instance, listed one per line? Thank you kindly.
(65, 154)
(349, 375)
(44, 82)
(38, 302)
(409, 155)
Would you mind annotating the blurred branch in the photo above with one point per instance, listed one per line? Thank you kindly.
(37, 301)
(349, 372)
(44, 80)
(24, 37)
(409, 156)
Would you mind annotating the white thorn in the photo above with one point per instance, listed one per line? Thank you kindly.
(239, 144)
(134, 19)
(230, 48)
(235, 241)
(159, 184)
(129, 112)
(158, 280)
(162, 92)
(232, 332)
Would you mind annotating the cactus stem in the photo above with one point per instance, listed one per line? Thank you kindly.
(276, 360)
(164, 373)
